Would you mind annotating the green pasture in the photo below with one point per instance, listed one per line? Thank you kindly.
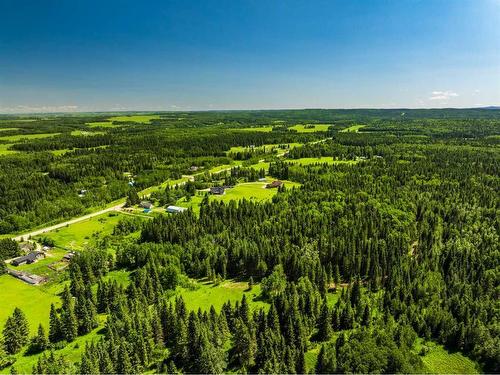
(207, 294)
(19, 137)
(267, 148)
(101, 124)
(34, 300)
(77, 235)
(317, 128)
(265, 129)
(4, 149)
(352, 129)
(253, 191)
(86, 134)
(321, 160)
(144, 119)
(72, 352)
(438, 360)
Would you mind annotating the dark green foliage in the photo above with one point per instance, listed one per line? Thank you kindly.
(15, 332)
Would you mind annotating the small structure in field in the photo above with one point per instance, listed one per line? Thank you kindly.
(274, 184)
(217, 190)
(194, 168)
(262, 179)
(68, 256)
(27, 259)
(146, 204)
(26, 277)
(175, 209)
(147, 210)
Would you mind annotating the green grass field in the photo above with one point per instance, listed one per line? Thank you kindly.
(86, 134)
(101, 124)
(352, 129)
(265, 129)
(6, 129)
(317, 128)
(439, 361)
(72, 352)
(321, 160)
(144, 119)
(19, 137)
(267, 148)
(33, 300)
(254, 191)
(4, 149)
(76, 236)
(206, 294)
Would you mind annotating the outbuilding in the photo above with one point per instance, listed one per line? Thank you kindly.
(175, 209)
(217, 190)
(274, 184)
(146, 204)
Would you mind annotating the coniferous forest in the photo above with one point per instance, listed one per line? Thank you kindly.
(384, 235)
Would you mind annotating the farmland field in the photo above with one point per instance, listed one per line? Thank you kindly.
(33, 300)
(320, 160)
(76, 236)
(313, 128)
(352, 129)
(20, 137)
(206, 294)
(145, 119)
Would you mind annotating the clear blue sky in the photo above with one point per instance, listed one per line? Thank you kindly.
(228, 54)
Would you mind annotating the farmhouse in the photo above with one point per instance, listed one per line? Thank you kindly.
(175, 209)
(217, 190)
(274, 184)
(27, 259)
(146, 204)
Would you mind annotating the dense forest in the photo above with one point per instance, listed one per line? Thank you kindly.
(404, 230)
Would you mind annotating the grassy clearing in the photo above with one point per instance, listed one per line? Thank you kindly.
(144, 119)
(352, 129)
(254, 191)
(267, 148)
(76, 236)
(35, 301)
(265, 129)
(207, 294)
(71, 352)
(86, 134)
(4, 149)
(321, 160)
(19, 137)
(438, 360)
(317, 128)
(6, 129)
(101, 124)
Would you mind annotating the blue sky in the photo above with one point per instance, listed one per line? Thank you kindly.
(62, 55)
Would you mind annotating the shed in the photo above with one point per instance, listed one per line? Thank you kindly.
(274, 184)
(175, 209)
(146, 204)
(217, 190)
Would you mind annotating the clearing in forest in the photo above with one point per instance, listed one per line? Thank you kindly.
(352, 129)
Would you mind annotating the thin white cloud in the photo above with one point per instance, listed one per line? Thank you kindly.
(443, 95)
